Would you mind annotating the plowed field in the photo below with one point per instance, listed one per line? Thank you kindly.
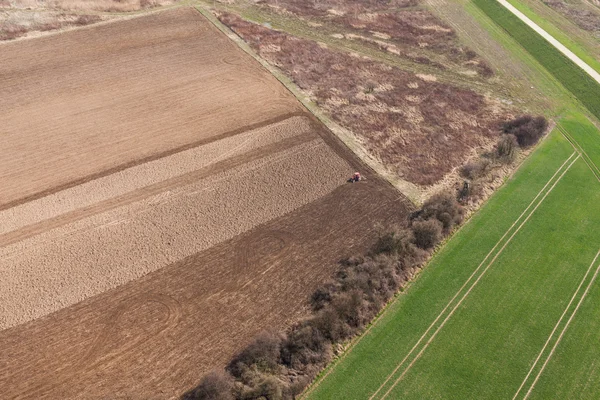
(164, 199)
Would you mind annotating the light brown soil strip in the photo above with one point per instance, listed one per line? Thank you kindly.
(124, 241)
(137, 177)
(153, 157)
(152, 190)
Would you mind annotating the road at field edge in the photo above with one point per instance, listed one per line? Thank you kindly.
(559, 46)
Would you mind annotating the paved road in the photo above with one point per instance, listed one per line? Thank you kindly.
(590, 71)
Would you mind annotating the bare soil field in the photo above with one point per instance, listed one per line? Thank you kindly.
(164, 200)
(65, 106)
(155, 337)
(75, 254)
(417, 127)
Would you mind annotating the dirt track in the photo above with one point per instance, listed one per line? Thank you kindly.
(211, 215)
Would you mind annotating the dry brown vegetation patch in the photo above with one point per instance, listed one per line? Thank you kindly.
(395, 27)
(419, 128)
(583, 17)
(86, 5)
(321, 8)
(16, 24)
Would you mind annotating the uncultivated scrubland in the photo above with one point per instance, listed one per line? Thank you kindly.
(418, 128)
(31, 18)
(402, 28)
(581, 12)
(16, 24)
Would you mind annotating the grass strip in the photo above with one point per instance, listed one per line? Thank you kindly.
(573, 78)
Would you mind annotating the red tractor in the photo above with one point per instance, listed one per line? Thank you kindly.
(355, 178)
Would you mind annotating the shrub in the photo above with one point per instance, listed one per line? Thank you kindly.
(527, 129)
(87, 19)
(445, 208)
(305, 345)
(476, 169)
(214, 386)
(330, 325)
(506, 149)
(392, 242)
(427, 233)
(322, 296)
(261, 355)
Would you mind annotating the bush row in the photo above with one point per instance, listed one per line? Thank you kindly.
(281, 365)
(521, 132)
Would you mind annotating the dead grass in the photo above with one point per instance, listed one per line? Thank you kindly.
(320, 8)
(583, 17)
(419, 128)
(398, 27)
(18, 24)
(86, 5)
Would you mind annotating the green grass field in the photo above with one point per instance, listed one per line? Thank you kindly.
(556, 25)
(573, 78)
(540, 232)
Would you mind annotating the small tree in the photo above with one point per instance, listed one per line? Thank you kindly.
(506, 149)
(214, 386)
(527, 129)
(427, 233)
(445, 208)
(262, 355)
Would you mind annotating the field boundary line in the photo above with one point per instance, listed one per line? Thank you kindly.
(591, 164)
(477, 280)
(471, 277)
(342, 135)
(587, 289)
(557, 324)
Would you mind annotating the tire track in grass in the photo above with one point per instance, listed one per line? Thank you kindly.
(587, 289)
(556, 327)
(578, 148)
(474, 283)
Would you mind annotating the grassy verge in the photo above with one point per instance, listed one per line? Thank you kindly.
(556, 27)
(361, 372)
(574, 79)
(584, 135)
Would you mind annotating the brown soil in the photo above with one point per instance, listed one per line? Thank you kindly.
(135, 91)
(77, 254)
(175, 201)
(419, 128)
(156, 337)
